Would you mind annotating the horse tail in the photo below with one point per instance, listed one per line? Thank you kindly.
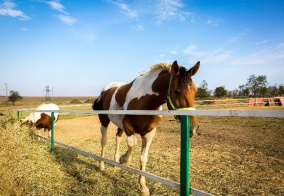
(98, 104)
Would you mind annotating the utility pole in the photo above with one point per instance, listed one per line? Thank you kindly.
(6, 92)
(47, 90)
(52, 93)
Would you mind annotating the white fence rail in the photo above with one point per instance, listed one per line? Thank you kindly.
(241, 113)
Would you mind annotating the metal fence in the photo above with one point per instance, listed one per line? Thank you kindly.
(184, 186)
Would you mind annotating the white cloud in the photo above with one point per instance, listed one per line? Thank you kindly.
(214, 56)
(190, 49)
(233, 39)
(67, 19)
(64, 17)
(214, 23)
(263, 42)
(56, 6)
(130, 13)
(170, 10)
(87, 36)
(264, 56)
(237, 37)
(138, 27)
(7, 8)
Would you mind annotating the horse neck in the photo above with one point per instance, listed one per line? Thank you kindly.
(161, 86)
(148, 92)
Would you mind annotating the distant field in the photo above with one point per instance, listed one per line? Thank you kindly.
(52, 99)
(32, 102)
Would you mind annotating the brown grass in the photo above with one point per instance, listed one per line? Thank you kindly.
(232, 156)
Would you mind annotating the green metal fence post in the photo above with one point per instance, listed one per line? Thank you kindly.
(19, 115)
(185, 156)
(52, 132)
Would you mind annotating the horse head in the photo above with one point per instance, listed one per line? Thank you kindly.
(26, 122)
(181, 92)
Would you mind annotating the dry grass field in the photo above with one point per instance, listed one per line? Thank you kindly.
(232, 156)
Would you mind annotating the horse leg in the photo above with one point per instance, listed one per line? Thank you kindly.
(131, 142)
(103, 145)
(118, 139)
(39, 133)
(48, 132)
(146, 142)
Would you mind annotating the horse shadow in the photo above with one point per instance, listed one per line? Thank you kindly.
(73, 162)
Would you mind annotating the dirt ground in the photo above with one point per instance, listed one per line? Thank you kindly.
(232, 156)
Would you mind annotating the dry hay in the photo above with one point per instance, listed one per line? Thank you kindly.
(26, 165)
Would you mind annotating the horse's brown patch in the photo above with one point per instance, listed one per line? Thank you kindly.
(119, 132)
(159, 85)
(106, 96)
(142, 124)
(43, 122)
(121, 93)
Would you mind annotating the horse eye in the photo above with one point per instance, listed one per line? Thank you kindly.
(177, 92)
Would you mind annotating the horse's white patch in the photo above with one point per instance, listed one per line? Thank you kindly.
(112, 85)
(35, 116)
(142, 86)
(131, 141)
(116, 119)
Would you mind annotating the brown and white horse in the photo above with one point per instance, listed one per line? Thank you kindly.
(164, 83)
(41, 120)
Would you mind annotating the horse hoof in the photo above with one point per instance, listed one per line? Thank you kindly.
(123, 161)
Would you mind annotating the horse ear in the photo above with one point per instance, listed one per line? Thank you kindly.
(175, 68)
(194, 69)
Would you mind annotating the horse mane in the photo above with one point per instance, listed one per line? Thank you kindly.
(164, 66)
(185, 79)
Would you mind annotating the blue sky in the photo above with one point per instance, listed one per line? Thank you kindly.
(77, 47)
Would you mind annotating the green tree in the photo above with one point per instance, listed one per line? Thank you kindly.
(281, 90)
(14, 96)
(232, 93)
(257, 85)
(220, 92)
(243, 90)
(272, 91)
(202, 91)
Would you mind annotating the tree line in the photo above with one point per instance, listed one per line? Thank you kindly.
(256, 86)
